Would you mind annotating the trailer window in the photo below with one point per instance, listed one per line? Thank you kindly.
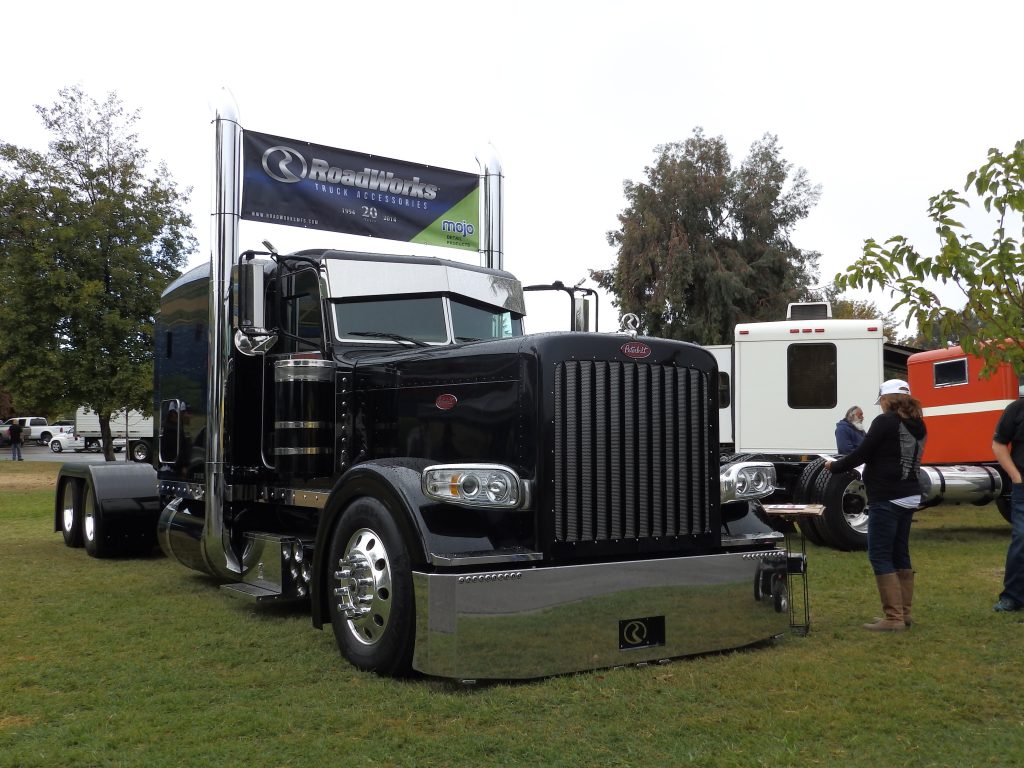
(811, 376)
(417, 319)
(951, 372)
(471, 323)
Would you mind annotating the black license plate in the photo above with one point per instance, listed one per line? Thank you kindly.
(641, 633)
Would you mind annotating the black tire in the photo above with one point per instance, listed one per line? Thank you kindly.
(803, 494)
(1004, 507)
(55, 446)
(93, 529)
(70, 495)
(780, 594)
(844, 524)
(45, 438)
(140, 451)
(374, 623)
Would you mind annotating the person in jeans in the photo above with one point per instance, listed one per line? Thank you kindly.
(15, 434)
(1008, 448)
(891, 452)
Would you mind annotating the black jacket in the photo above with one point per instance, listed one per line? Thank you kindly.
(892, 457)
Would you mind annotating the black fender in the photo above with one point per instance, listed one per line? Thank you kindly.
(125, 492)
(396, 484)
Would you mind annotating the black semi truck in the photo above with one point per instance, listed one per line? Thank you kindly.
(377, 435)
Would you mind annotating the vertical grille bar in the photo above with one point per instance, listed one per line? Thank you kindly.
(631, 452)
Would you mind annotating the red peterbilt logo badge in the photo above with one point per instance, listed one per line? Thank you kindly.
(446, 402)
(635, 349)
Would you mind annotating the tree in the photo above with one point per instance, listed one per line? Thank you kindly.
(857, 309)
(987, 274)
(702, 246)
(90, 238)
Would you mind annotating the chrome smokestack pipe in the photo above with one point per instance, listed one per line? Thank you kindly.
(226, 212)
(492, 252)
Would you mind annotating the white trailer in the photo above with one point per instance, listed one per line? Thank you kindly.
(134, 427)
(791, 381)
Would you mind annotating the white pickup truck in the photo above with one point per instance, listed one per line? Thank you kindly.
(35, 428)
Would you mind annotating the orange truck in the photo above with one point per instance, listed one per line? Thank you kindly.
(961, 409)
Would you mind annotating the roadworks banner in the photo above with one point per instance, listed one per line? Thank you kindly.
(299, 184)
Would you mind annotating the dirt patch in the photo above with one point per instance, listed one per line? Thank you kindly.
(27, 476)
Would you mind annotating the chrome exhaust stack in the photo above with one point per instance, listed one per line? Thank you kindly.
(225, 216)
(492, 253)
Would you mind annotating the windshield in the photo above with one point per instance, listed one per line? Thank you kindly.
(421, 320)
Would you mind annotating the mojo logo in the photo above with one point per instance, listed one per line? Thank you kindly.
(463, 228)
(641, 633)
(635, 350)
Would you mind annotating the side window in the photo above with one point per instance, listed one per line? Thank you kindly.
(38, 422)
(951, 372)
(811, 380)
(302, 316)
(723, 390)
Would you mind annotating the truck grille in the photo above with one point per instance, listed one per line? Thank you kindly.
(631, 451)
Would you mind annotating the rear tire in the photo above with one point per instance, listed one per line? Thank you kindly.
(55, 446)
(93, 528)
(368, 583)
(140, 451)
(804, 495)
(844, 523)
(70, 496)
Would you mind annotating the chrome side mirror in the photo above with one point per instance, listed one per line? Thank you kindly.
(248, 309)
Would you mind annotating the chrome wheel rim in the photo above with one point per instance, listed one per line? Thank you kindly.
(363, 587)
(855, 506)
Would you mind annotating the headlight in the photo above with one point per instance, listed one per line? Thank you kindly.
(747, 480)
(484, 485)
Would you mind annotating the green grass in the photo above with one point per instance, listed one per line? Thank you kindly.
(143, 663)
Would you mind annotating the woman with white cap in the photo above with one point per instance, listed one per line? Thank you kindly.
(891, 452)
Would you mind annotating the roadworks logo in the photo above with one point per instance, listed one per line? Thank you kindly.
(288, 166)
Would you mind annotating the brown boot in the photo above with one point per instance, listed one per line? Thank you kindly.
(906, 577)
(892, 605)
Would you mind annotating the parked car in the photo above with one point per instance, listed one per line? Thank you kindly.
(70, 442)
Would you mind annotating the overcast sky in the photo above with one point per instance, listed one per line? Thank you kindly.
(884, 103)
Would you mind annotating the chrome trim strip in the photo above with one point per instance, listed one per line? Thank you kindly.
(301, 424)
(181, 490)
(704, 603)
(489, 558)
(302, 451)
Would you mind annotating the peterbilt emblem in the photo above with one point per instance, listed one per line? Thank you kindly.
(635, 349)
(446, 402)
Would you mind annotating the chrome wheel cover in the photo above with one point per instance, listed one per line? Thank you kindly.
(363, 587)
(89, 521)
(68, 504)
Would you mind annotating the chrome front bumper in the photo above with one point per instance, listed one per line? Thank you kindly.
(535, 622)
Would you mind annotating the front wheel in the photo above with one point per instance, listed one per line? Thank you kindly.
(369, 587)
(56, 447)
